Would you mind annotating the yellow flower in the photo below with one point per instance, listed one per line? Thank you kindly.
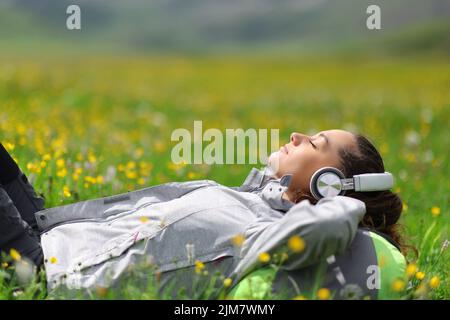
(61, 173)
(176, 166)
(144, 219)
(384, 148)
(227, 282)
(53, 260)
(434, 282)
(131, 174)
(15, 255)
(420, 275)
(191, 175)
(66, 192)
(300, 297)
(296, 244)
(159, 146)
(131, 165)
(101, 291)
(398, 285)
(405, 207)
(21, 129)
(60, 163)
(141, 181)
(58, 153)
(199, 266)
(264, 257)
(145, 168)
(5, 265)
(9, 146)
(411, 269)
(238, 240)
(46, 157)
(435, 211)
(323, 294)
(92, 158)
(90, 179)
(410, 157)
(35, 168)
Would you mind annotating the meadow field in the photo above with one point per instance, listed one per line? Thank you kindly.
(83, 128)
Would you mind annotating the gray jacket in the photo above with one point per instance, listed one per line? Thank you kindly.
(172, 225)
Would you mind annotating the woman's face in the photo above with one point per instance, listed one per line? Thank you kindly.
(304, 155)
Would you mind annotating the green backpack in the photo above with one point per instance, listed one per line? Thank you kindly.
(369, 269)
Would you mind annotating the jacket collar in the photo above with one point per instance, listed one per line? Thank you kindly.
(268, 187)
(255, 179)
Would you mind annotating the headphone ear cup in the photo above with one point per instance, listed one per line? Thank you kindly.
(326, 182)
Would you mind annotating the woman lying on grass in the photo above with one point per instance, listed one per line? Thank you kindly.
(283, 233)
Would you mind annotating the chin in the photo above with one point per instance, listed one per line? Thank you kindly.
(273, 163)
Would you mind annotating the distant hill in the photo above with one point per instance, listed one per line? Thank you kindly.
(296, 26)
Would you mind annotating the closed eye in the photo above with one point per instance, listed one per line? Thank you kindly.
(314, 146)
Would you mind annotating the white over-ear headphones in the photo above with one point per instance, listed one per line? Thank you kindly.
(330, 182)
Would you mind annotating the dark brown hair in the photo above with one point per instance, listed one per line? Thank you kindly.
(383, 208)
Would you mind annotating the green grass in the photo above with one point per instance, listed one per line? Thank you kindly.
(105, 115)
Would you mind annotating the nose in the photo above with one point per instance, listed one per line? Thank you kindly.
(296, 138)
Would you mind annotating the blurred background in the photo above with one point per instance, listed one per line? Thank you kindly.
(139, 69)
(89, 113)
(217, 26)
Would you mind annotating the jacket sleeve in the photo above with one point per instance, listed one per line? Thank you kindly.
(107, 206)
(327, 228)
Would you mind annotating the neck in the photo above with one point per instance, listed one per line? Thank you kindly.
(289, 195)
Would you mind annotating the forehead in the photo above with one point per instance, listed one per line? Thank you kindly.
(339, 138)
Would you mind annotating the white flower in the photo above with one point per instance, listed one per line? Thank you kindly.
(412, 138)
(403, 174)
(428, 156)
(444, 245)
(110, 174)
(190, 249)
(25, 271)
(427, 115)
(351, 292)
